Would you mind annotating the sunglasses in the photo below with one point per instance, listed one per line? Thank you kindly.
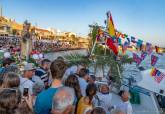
(10, 89)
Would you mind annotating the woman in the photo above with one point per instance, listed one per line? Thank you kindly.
(9, 100)
(10, 80)
(72, 81)
(85, 103)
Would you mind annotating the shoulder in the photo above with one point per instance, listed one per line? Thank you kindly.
(129, 105)
(49, 91)
(40, 72)
(25, 81)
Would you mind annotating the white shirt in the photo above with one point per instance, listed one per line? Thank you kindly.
(83, 85)
(26, 83)
(126, 107)
(69, 71)
(103, 100)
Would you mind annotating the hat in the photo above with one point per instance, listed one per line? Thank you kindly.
(29, 66)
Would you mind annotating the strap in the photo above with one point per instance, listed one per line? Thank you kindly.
(99, 102)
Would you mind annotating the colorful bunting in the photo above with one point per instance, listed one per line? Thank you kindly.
(139, 43)
(157, 49)
(154, 60)
(148, 48)
(158, 76)
(143, 55)
(133, 39)
(124, 47)
(113, 36)
(118, 34)
(119, 41)
(137, 59)
(153, 71)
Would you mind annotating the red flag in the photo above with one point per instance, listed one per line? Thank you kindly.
(137, 59)
(111, 44)
(157, 49)
(154, 59)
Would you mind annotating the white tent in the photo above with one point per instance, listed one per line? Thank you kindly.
(149, 82)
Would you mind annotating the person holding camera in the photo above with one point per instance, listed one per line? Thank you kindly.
(103, 98)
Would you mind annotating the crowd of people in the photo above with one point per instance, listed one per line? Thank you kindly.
(40, 45)
(54, 45)
(55, 88)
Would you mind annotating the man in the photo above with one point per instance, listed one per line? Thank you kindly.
(83, 78)
(43, 72)
(125, 106)
(63, 101)
(104, 97)
(92, 79)
(43, 102)
(5, 63)
(25, 79)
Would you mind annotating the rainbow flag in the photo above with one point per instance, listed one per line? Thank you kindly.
(158, 76)
(153, 72)
(149, 48)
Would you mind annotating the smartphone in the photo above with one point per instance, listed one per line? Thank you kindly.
(26, 92)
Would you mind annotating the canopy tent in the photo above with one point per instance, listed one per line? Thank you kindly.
(149, 83)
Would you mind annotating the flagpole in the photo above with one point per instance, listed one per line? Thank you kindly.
(93, 48)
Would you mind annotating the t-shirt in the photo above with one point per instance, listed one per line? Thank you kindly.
(44, 75)
(26, 83)
(126, 107)
(82, 106)
(83, 85)
(44, 100)
(103, 100)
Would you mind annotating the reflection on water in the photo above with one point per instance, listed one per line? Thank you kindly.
(54, 55)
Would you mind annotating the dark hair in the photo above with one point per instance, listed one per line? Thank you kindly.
(9, 100)
(91, 91)
(93, 77)
(121, 93)
(11, 80)
(11, 68)
(57, 69)
(60, 58)
(83, 72)
(45, 61)
(72, 81)
(98, 110)
(7, 61)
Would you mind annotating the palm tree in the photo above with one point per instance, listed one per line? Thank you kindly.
(100, 57)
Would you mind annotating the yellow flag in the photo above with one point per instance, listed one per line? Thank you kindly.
(111, 28)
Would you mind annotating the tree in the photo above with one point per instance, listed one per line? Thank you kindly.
(101, 57)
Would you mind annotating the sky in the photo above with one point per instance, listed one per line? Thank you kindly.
(143, 19)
